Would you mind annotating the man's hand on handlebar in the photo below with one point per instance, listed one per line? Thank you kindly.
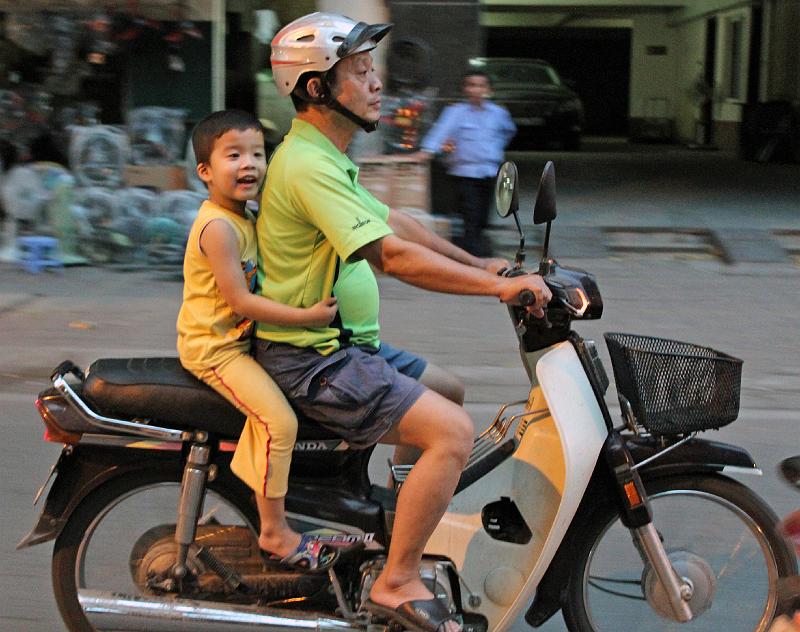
(533, 283)
(494, 264)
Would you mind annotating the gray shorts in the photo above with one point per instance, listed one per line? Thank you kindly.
(355, 392)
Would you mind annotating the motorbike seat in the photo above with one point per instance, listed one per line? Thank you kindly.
(161, 390)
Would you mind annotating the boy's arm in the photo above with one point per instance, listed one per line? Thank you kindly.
(218, 243)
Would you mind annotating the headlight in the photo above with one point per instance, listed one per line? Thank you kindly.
(571, 105)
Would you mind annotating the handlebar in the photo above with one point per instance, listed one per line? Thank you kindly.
(527, 298)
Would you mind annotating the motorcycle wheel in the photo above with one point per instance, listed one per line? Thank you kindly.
(715, 531)
(93, 551)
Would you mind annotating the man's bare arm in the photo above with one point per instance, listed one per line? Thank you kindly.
(425, 268)
(408, 228)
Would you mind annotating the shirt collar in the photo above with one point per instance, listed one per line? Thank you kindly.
(311, 133)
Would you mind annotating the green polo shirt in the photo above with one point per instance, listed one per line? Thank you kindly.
(314, 216)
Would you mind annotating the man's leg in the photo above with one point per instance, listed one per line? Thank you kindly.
(448, 386)
(443, 432)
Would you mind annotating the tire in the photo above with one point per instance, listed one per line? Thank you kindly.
(95, 534)
(710, 516)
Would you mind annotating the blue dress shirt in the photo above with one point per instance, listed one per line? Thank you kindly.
(480, 134)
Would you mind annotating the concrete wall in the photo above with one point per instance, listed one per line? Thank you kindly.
(690, 41)
(782, 78)
(653, 68)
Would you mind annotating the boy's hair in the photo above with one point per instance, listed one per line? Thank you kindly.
(207, 131)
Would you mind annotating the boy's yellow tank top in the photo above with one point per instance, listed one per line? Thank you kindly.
(209, 332)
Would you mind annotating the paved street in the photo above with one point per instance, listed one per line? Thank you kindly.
(750, 310)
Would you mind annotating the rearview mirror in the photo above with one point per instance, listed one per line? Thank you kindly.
(506, 198)
(545, 208)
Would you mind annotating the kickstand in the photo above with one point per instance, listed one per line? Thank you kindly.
(344, 608)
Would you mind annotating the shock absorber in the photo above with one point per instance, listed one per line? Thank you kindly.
(190, 506)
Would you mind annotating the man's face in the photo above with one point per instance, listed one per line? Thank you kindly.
(357, 86)
(235, 169)
(476, 88)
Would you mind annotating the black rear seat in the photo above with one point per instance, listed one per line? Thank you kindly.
(161, 390)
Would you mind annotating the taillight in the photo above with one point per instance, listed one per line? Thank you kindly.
(54, 432)
(790, 528)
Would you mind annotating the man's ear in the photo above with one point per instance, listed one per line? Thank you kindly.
(315, 89)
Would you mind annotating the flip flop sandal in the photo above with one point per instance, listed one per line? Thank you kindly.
(310, 556)
(420, 615)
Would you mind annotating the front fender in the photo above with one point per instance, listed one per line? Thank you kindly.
(696, 455)
(83, 469)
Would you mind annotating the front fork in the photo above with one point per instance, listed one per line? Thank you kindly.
(190, 506)
(637, 516)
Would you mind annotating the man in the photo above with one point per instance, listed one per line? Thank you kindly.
(472, 135)
(318, 231)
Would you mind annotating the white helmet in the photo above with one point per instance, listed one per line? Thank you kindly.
(315, 42)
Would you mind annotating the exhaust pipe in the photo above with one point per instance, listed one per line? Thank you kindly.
(113, 611)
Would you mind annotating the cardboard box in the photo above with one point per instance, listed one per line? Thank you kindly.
(411, 185)
(376, 177)
(160, 177)
(401, 181)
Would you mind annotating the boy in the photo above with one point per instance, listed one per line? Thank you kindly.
(217, 318)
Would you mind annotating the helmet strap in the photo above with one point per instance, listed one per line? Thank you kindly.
(327, 99)
(367, 126)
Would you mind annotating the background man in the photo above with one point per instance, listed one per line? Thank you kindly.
(472, 136)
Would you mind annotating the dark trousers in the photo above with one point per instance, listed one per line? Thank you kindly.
(474, 201)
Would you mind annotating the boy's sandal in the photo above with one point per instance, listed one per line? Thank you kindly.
(419, 615)
(310, 556)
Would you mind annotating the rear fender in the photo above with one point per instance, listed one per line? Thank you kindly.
(83, 469)
(695, 456)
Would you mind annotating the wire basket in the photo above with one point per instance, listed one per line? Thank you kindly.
(673, 387)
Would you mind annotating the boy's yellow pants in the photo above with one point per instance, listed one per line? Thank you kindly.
(265, 446)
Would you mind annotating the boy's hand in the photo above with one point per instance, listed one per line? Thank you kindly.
(321, 314)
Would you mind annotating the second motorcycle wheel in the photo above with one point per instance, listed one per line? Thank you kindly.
(96, 550)
(717, 533)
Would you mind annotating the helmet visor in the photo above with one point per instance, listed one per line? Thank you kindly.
(361, 34)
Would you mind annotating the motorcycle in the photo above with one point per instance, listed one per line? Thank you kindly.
(635, 526)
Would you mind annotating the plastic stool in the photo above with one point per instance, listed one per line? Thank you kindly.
(37, 252)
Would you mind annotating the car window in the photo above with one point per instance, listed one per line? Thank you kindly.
(522, 73)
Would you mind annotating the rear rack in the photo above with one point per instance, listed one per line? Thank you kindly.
(109, 423)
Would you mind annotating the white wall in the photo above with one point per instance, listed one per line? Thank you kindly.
(690, 41)
(653, 77)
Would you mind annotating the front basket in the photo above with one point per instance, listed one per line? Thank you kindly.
(673, 387)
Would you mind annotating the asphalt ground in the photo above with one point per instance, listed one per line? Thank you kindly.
(748, 309)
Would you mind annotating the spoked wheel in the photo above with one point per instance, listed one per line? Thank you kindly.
(105, 541)
(719, 536)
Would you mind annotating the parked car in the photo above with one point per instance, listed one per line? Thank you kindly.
(542, 106)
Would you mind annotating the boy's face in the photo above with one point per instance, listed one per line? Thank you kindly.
(235, 169)
(476, 88)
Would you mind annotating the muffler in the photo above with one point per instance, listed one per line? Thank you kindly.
(112, 611)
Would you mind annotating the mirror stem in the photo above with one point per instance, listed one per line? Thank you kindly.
(546, 241)
(520, 258)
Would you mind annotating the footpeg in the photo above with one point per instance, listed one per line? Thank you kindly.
(474, 622)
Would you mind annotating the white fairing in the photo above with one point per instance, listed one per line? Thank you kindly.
(545, 477)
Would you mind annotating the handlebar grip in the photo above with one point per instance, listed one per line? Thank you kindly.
(527, 298)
